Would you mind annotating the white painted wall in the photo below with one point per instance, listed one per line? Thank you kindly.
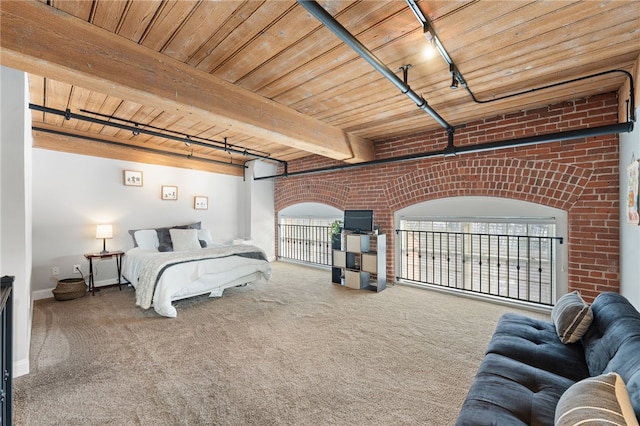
(629, 234)
(73, 193)
(15, 206)
(260, 205)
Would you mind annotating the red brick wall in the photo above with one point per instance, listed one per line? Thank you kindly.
(578, 176)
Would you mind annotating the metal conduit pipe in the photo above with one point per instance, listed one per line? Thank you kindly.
(137, 148)
(222, 144)
(69, 115)
(457, 75)
(488, 146)
(329, 21)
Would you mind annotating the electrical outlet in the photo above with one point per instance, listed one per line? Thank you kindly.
(55, 271)
(76, 268)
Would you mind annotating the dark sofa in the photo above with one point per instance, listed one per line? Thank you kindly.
(527, 368)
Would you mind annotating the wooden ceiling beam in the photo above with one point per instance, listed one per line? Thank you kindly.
(39, 39)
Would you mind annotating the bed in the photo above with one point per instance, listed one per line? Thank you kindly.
(161, 276)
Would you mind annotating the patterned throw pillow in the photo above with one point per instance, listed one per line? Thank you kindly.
(572, 317)
(600, 400)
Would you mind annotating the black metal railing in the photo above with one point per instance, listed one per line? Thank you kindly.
(6, 350)
(304, 243)
(520, 267)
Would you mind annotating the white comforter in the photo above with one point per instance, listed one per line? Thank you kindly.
(160, 278)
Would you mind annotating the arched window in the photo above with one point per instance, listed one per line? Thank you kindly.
(303, 232)
(492, 246)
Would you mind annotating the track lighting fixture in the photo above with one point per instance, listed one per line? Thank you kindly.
(430, 49)
(426, 31)
(187, 143)
(135, 132)
(434, 41)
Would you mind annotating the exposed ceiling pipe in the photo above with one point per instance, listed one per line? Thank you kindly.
(137, 130)
(329, 21)
(488, 146)
(220, 144)
(137, 148)
(458, 78)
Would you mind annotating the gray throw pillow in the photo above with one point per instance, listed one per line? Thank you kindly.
(572, 317)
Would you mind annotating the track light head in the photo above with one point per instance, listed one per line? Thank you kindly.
(135, 132)
(428, 34)
(454, 82)
(430, 49)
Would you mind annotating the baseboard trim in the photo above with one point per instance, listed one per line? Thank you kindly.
(48, 293)
(42, 294)
(20, 368)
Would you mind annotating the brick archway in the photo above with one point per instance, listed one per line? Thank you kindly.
(295, 191)
(549, 184)
(580, 177)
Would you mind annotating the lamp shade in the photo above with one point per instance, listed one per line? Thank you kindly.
(104, 231)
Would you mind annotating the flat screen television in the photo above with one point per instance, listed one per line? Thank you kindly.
(358, 221)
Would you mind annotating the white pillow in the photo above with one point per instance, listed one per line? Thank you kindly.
(205, 235)
(184, 239)
(147, 239)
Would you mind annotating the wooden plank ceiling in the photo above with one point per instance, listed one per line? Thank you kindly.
(271, 80)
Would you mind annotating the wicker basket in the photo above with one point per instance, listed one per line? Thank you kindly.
(70, 288)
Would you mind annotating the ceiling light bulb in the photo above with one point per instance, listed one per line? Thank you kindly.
(429, 51)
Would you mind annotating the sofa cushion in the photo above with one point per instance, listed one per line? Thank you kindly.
(602, 399)
(523, 375)
(572, 317)
(527, 369)
(612, 343)
(509, 392)
(534, 342)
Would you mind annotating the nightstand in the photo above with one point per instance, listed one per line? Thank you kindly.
(99, 256)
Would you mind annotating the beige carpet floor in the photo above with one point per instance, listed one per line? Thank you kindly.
(297, 350)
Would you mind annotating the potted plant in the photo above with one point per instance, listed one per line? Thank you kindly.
(334, 233)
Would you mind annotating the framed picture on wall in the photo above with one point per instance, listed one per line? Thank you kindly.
(132, 178)
(633, 190)
(200, 202)
(169, 192)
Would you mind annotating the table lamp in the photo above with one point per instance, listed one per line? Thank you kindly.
(104, 232)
